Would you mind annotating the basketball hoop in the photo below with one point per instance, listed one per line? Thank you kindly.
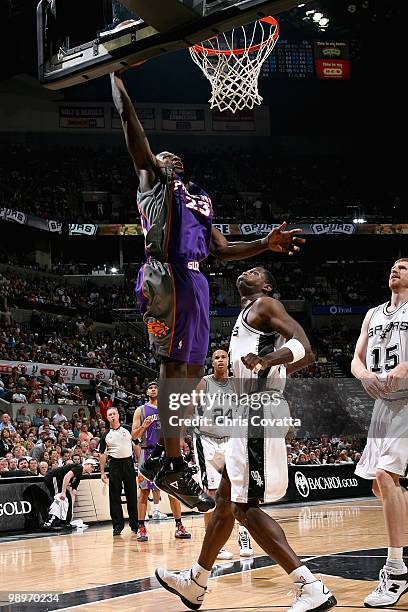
(232, 63)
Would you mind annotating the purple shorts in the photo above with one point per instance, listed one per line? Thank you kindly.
(175, 301)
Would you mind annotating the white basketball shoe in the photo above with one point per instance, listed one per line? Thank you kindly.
(224, 555)
(183, 585)
(244, 541)
(312, 596)
(391, 587)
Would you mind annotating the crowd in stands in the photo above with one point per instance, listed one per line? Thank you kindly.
(245, 186)
(337, 450)
(41, 437)
(321, 284)
(55, 340)
(52, 293)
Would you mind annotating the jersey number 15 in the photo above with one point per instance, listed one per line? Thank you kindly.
(390, 359)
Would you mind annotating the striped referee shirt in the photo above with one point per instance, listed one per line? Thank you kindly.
(117, 443)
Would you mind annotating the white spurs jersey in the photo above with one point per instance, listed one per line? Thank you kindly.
(246, 339)
(219, 405)
(388, 342)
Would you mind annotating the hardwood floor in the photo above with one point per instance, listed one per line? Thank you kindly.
(343, 541)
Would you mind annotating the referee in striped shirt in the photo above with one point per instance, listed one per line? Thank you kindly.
(116, 445)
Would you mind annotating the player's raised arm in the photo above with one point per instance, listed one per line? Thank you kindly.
(138, 146)
(278, 240)
(296, 351)
(370, 381)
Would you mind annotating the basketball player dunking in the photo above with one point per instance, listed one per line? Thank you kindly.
(256, 462)
(173, 293)
(381, 364)
(212, 434)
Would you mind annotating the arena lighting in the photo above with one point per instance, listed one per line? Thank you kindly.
(114, 270)
(317, 18)
(359, 220)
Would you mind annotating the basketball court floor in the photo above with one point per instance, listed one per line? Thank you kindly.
(344, 541)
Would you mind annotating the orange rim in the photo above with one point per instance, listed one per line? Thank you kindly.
(271, 20)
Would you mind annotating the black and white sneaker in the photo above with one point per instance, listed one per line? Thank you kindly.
(183, 585)
(52, 524)
(150, 468)
(244, 541)
(181, 485)
(389, 590)
(312, 597)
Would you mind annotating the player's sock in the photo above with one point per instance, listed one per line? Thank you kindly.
(200, 575)
(178, 522)
(158, 451)
(302, 574)
(156, 508)
(174, 463)
(141, 523)
(395, 560)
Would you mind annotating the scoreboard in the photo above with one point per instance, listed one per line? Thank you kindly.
(292, 59)
(304, 59)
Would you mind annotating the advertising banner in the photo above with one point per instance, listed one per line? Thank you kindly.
(81, 117)
(24, 504)
(183, 119)
(332, 60)
(339, 310)
(321, 482)
(82, 229)
(227, 121)
(71, 374)
(16, 216)
(247, 229)
(147, 117)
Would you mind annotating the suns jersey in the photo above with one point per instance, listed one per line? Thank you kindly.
(176, 221)
(388, 342)
(246, 339)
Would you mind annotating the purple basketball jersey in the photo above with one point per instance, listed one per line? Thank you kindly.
(151, 434)
(176, 221)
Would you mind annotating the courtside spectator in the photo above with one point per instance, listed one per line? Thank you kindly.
(33, 467)
(104, 403)
(18, 397)
(6, 443)
(42, 468)
(6, 422)
(59, 417)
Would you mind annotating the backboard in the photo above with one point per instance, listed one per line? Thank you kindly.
(65, 59)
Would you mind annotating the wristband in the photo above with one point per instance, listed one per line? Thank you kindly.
(296, 348)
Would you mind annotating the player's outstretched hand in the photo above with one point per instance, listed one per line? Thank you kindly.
(254, 362)
(281, 240)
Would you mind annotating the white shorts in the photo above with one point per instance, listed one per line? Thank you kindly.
(387, 441)
(256, 462)
(210, 456)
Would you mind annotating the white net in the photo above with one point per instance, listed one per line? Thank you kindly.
(232, 63)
